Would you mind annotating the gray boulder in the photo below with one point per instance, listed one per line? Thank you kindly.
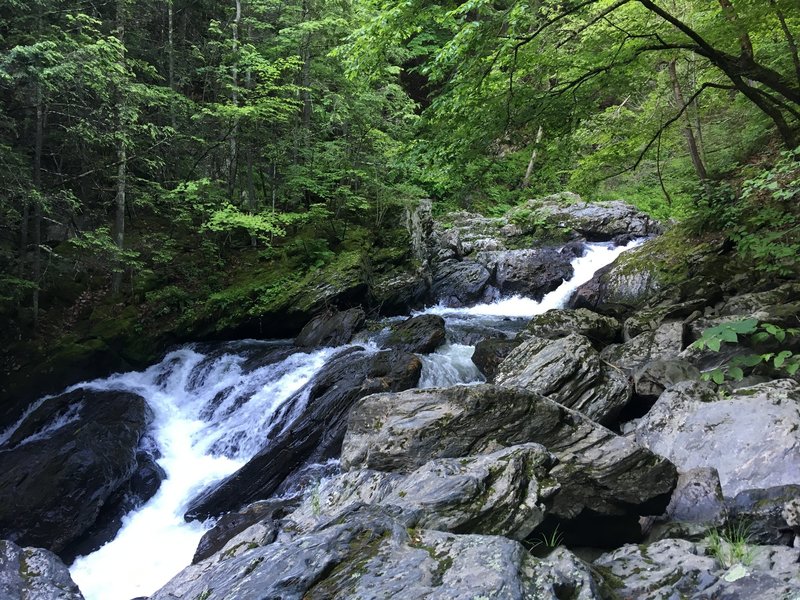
(681, 569)
(489, 354)
(569, 371)
(498, 494)
(698, 498)
(597, 221)
(752, 436)
(34, 573)
(652, 378)
(599, 329)
(531, 273)
(763, 514)
(420, 335)
(331, 328)
(459, 283)
(598, 471)
(376, 553)
(65, 461)
(665, 342)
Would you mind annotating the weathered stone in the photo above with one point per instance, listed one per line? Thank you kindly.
(762, 514)
(317, 433)
(698, 498)
(652, 378)
(531, 273)
(65, 461)
(598, 470)
(489, 354)
(420, 335)
(498, 494)
(666, 342)
(681, 569)
(459, 283)
(751, 437)
(557, 323)
(747, 304)
(569, 371)
(34, 573)
(372, 553)
(331, 328)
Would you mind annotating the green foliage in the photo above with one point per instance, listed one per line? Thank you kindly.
(731, 545)
(750, 332)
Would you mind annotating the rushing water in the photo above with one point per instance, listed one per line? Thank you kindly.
(214, 408)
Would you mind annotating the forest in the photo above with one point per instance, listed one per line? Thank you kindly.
(173, 166)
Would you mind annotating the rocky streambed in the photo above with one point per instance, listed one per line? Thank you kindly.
(541, 431)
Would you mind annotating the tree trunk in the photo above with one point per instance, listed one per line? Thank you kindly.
(232, 168)
(37, 211)
(790, 41)
(171, 59)
(745, 43)
(691, 142)
(122, 156)
(529, 171)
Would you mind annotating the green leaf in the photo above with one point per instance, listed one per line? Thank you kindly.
(717, 376)
(736, 373)
(714, 344)
(744, 327)
(781, 358)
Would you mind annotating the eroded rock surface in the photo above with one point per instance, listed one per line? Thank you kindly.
(35, 574)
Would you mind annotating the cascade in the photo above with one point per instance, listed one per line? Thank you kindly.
(215, 405)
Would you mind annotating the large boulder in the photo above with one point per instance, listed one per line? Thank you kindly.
(664, 343)
(490, 353)
(459, 283)
(596, 221)
(750, 436)
(498, 494)
(569, 371)
(601, 330)
(65, 461)
(34, 573)
(316, 434)
(599, 472)
(419, 335)
(531, 273)
(377, 553)
(682, 569)
(331, 328)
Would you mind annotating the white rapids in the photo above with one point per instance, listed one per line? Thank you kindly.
(209, 419)
(213, 411)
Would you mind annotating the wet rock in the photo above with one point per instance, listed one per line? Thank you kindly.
(664, 343)
(650, 319)
(417, 335)
(569, 371)
(599, 329)
(317, 433)
(399, 292)
(459, 283)
(679, 568)
(34, 573)
(598, 470)
(331, 328)
(489, 354)
(529, 273)
(617, 289)
(498, 494)
(652, 378)
(747, 304)
(373, 553)
(65, 461)
(750, 437)
(229, 526)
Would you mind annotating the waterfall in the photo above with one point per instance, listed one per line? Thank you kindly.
(215, 407)
(211, 415)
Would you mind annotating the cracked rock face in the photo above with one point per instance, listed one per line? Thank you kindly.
(597, 470)
(34, 573)
(751, 437)
(380, 553)
(499, 493)
(681, 569)
(568, 371)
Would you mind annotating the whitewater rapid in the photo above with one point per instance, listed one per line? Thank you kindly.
(213, 412)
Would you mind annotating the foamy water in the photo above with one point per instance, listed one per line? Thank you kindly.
(209, 419)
